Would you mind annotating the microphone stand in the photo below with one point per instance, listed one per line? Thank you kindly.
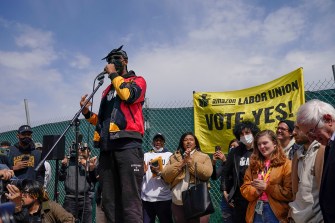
(74, 121)
(77, 123)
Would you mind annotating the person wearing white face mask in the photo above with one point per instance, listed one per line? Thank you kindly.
(156, 194)
(235, 167)
(247, 139)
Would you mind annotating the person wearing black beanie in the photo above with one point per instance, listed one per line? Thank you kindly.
(284, 132)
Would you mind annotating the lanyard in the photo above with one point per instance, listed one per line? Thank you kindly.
(266, 174)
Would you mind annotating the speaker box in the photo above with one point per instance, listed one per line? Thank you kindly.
(58, 152)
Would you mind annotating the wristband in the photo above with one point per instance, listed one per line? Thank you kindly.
(113, 75)
(88, 115)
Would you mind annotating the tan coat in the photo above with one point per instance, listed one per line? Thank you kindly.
(307, 166)
(318, 168)
(172, 175)
(279, 191)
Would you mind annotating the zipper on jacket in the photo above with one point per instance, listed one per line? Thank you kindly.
(132, 115)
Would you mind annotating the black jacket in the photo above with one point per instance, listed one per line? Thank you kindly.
(327, 191)
(17, 153)
(233, 178)
(218, 173)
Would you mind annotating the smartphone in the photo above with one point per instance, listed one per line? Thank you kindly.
(217, 148)
(25, 158)
(154, 164)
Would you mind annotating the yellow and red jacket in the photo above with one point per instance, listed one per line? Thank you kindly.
(120, 113)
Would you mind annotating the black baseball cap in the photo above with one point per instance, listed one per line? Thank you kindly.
(159, 135)
(117, 51)
(5, 143)
(24, 128)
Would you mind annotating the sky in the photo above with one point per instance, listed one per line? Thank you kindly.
(51, 50)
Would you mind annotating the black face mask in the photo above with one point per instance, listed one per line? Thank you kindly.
(118, 66)
(117, 61)
(26, 141)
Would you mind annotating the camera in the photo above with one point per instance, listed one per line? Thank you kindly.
(6, 212)
(3, 187)
(83, 146)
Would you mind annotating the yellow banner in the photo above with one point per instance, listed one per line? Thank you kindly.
(215, 113)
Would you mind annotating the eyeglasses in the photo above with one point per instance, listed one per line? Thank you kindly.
(281, 129)
(25, 193)
(311, 133)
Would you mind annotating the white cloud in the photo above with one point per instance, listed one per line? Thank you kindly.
(33, 38)
(35, 51)
(230, 49)
(227, 22)
(283, 26)
(24, 60)
(80, 61)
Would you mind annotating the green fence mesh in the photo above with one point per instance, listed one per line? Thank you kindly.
(172, 120)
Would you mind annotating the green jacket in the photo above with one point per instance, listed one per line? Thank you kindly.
(51, 212)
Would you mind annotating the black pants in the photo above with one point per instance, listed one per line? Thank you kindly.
(179, 217)
(161, 209)
(85, 207)
(122, 173)
(240, 209)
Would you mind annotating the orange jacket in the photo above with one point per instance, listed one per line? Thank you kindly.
(278, 190)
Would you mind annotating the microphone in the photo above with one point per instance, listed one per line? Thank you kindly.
(80, 138)
(101, 75)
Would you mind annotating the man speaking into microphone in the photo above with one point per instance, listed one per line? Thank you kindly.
(119, 132)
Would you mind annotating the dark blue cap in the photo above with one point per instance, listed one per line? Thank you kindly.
(24, 128)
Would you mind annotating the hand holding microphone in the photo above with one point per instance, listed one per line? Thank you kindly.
(186, 159)
(109, 68)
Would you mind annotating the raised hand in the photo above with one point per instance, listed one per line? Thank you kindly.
(82, 102)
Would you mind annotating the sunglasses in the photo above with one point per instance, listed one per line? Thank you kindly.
(114, 57)
(25, 193)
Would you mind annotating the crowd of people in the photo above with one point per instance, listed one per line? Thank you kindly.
(281, 175)
(26, 187)
(287, 175)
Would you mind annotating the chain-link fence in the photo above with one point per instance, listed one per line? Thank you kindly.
(172, 119)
